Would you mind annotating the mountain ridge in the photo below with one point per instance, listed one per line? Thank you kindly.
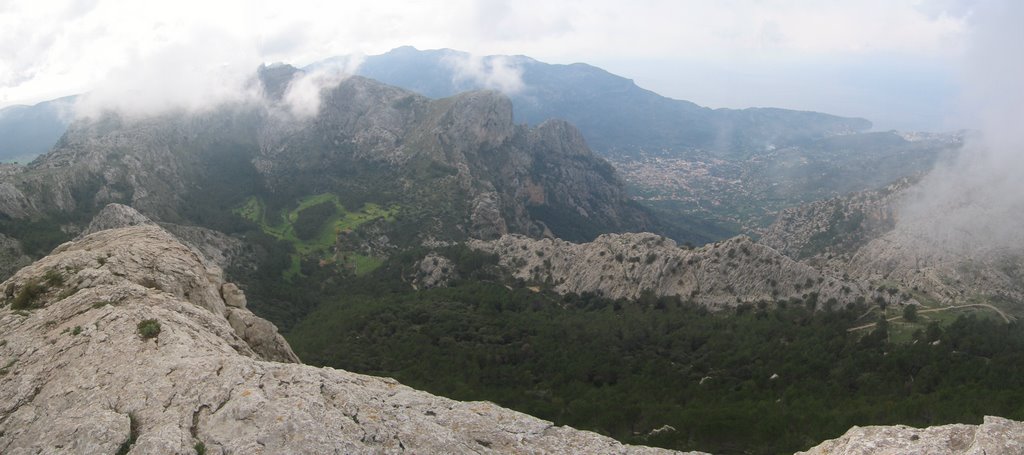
(615, 115)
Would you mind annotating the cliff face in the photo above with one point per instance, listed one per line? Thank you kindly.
(718, 275)
(85, 371)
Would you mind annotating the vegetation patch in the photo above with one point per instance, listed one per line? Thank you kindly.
(315, 228)
(28, 295)
(149, 328)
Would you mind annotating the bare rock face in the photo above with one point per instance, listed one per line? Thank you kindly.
(223, 250)
(126, 338)
(835, 227)
(719, 275)
(115, 216)
(434, 271)
(996, 436)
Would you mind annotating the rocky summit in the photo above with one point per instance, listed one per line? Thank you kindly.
(126, 340)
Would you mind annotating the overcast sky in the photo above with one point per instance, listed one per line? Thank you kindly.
(892, 61)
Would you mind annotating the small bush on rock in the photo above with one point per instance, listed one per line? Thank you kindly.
(149, 328)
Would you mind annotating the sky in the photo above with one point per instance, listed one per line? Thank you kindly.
(896, 62)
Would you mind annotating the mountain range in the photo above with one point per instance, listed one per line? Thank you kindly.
(615, 115)
(457, 240)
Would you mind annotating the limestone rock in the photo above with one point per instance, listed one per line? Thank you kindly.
(80, 377)
(434, 271)
(233, 297)
(115, 216)
(223, 250)
(996, 436)
(718, 275)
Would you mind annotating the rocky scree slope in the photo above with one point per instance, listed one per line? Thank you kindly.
(81, 375)
(719, 275)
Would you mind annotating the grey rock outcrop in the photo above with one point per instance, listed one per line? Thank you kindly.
(996, 436)
(78, 375)
(836, 226)
(434, 271)
(115, 216)
(718, 275)
(223, 250)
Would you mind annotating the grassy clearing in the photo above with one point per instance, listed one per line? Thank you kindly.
(365, 264)
(320, 245)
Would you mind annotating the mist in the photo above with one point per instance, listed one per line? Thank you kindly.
(305, 91)
(207, 70)
(494, 73)
(975, 201)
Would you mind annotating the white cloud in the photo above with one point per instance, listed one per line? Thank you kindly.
(496, 73)
(304, 92)
(977, 200)
(55, 47)
(206, 70)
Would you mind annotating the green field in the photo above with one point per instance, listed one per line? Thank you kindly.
(282, 225)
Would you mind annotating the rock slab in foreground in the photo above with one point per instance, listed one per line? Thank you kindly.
(77, 376)
(995, 436)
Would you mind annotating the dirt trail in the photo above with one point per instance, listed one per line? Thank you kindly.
(1005, 317)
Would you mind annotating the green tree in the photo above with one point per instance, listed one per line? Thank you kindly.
(910, 313)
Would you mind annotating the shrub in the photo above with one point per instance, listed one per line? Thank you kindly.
(53, 277)
(28, 295)
(200, 448)
(149, 328)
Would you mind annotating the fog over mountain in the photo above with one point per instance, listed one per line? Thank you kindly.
(977, 199)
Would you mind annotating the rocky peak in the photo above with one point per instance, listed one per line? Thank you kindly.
(565, 139)
(275, 79)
